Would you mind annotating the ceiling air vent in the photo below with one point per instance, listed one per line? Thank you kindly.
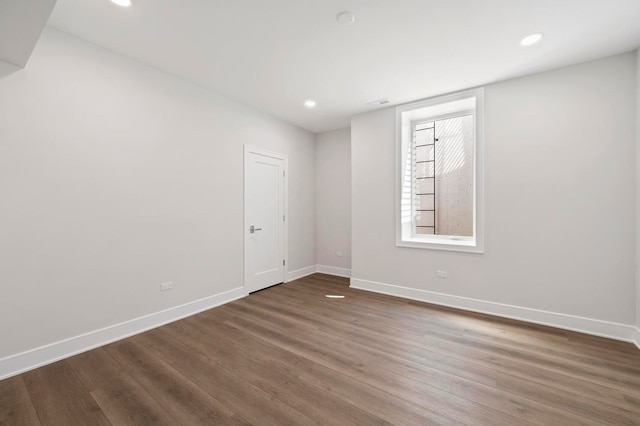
(379, 102)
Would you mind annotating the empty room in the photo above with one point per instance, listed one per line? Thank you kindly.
(327, 212)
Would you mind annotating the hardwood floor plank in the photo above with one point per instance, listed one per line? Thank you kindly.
(446, 345)
(428, 397)
(448, 318)
(397, 411)
(563, 379)
(484, 373)
(524, 408)
(122, 399)
(257, 370)
(127, 403)
(96, 369)
(485, 322)
(16, 407)
(597, 391)
(380, 404)
(634, 405)
(571, 401)
(519, 360)
(394, 343)
(182, 398)
(248, 401)
(59, 397)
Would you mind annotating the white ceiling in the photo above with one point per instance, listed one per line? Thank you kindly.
(274, 54)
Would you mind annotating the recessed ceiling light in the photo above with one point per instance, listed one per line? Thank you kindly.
(345, 18)
(123, 3)
(531, 39)
(310, 103)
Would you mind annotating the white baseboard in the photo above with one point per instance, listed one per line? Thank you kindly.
(300, 273)
(332, 270)
(29, 360)
(309, 270)
(627, 333)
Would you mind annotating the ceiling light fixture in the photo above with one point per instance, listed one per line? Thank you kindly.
(345, 18)
(123, 3)
(310, 103)
(532, 39)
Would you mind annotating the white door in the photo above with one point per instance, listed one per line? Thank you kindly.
(264, 218)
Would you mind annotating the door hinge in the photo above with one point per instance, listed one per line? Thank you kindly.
(282, 262)
(283, 218)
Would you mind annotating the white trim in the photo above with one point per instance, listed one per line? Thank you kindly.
(448, 246)
(323, 269)
(38, 357)
(332, 270)
(472, 245)
(591, 326)
(300, 273)
(285, 158)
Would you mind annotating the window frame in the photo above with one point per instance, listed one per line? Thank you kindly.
(405, 142)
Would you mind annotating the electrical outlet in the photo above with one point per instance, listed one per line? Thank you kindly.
(339, 253)
(166, 286)
(442, 274)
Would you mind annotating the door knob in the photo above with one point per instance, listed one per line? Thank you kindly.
(253, 229)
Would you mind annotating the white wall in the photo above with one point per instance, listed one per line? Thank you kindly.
(559, 161)
(115, 178)
(21, 23)
(333, 198)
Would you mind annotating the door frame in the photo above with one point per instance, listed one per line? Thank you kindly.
(245, 223)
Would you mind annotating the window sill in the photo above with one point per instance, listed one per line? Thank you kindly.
(441, 244)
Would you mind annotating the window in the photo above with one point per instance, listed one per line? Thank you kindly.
(439, 147)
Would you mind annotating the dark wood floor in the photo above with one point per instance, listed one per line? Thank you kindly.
(289, 355)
